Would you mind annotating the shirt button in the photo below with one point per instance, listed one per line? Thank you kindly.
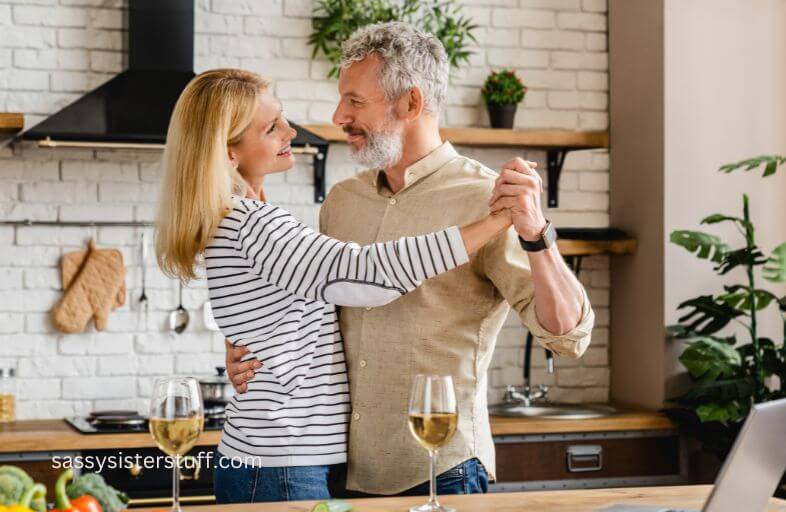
(392, 200)
(362, 363)
(355, 416)
(368, 309)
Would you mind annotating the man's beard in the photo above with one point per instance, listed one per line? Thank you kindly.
(381, 149)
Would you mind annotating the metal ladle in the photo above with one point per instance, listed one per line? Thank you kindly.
(143, 302)
(178, 319)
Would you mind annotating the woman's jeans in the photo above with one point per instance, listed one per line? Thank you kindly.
(237, 483)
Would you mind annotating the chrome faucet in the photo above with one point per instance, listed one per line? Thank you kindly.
(528, 395)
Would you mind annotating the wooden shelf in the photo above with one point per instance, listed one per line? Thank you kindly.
(492, 137)
(11, 122)
(593, 241)
(556, 143)
(595, 247)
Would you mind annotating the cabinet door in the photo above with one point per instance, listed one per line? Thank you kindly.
(583, 458)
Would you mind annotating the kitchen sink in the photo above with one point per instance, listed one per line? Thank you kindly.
(553, 411)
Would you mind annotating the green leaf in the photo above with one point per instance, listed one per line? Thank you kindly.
(719, 217)
(503, 87)
(770, 162)
(708, 315)
(723, 412)
(334, 21)
(775, 270)
(740, 297)
(740, 257)
(719, 391)
(771, 357)
(704, 245)
(708, 359)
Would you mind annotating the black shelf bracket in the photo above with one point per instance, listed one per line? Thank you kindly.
(320, 158)
(555, 158)
(317, 147)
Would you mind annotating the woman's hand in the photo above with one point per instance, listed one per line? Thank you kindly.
(501, 213)
(239, 371)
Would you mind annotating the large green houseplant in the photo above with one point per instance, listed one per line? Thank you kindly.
(730, 373)
(335, 20)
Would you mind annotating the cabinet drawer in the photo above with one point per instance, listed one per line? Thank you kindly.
(522, 459)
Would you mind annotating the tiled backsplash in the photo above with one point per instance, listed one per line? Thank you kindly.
(51, 52)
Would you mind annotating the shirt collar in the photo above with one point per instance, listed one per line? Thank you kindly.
(423, 168)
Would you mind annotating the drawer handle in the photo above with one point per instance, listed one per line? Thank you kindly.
(196, 466)
(585, 457)
(135, 471)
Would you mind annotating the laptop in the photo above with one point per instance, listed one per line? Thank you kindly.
(752, 470)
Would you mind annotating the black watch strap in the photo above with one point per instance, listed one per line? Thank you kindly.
(547, 238)
(535, 246)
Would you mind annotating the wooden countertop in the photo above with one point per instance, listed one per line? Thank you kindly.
(688, 496)
(52, 435)
(624, 421)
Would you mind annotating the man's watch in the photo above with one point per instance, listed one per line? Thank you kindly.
(548, 237)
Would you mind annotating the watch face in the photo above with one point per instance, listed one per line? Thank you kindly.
(550, 235)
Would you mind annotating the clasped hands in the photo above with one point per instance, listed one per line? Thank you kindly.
(517, 193)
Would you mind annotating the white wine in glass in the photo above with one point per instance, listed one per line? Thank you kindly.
(433, 417)
(176, 421)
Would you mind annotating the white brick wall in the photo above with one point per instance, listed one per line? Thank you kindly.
(52, 51)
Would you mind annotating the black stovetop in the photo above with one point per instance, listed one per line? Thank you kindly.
(84, 426)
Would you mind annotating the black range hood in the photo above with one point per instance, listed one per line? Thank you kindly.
(132, 109)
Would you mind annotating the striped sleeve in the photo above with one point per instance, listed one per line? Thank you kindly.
(308, 264)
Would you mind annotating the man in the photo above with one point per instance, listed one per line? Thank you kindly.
(393, 83)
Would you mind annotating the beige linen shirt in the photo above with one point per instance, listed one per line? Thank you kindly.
(448, 326)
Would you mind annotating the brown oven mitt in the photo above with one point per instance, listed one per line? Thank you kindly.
(93, 291)
(70, 266)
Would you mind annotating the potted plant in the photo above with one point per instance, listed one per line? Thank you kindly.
(502, 92)
(335, 20)
(728, 375)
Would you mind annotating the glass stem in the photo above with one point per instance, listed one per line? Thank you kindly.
(433, 480)
(176, 485)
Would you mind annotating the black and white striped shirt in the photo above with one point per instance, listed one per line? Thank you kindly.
(274, 284)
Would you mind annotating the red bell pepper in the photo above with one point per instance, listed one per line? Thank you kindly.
(84, 503)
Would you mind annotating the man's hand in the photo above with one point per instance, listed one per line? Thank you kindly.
(519, 188)
(240, 372)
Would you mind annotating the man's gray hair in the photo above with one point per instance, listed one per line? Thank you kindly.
(409, 58)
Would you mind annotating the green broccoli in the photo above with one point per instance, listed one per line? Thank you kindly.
(111, 500)
(14, 483)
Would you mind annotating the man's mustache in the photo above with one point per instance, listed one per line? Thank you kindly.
(351, 130)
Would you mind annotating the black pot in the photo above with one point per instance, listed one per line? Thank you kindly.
(501, 116)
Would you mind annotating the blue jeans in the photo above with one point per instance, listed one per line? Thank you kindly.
(248, 484)
(469, 477)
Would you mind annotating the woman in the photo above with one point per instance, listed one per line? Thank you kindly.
(274, 284)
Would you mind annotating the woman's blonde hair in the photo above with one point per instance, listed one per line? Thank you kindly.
(212, 113)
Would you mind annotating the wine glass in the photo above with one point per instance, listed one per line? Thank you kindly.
(433, 418)
(176, 421)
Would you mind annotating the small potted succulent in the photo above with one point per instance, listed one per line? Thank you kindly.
(502, 92)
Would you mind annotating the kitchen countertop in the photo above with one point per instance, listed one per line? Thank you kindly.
(53, 435)
(689, 496)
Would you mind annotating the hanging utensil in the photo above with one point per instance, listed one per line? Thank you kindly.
(178, 319)
(143, 302)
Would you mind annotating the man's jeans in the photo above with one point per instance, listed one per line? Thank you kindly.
(469, 477)
(247, 484)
